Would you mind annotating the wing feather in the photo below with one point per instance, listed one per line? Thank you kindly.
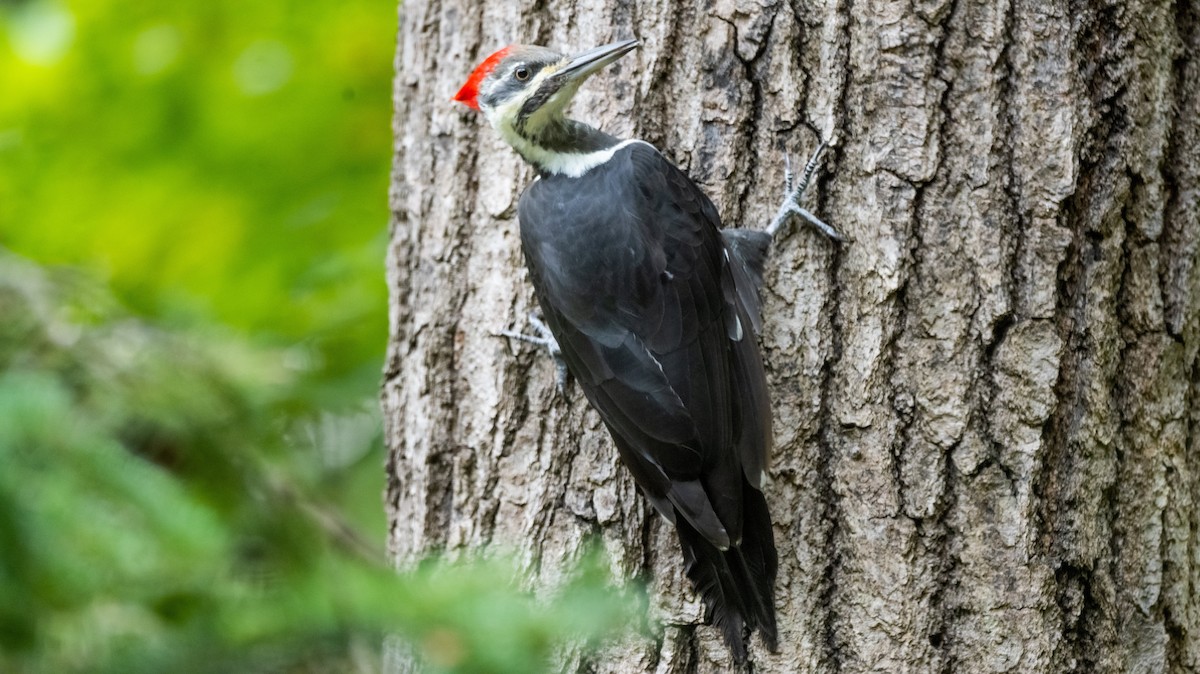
(653, 313)
(655, 310)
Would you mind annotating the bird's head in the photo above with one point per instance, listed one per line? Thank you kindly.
(523, 89)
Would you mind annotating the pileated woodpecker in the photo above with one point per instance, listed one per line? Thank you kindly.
(651, 306)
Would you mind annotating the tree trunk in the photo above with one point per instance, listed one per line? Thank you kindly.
(986, 403)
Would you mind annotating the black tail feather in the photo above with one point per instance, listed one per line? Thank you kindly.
(758, 549)
(737, 585)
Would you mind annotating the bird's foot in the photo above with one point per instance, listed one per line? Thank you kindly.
(794, 193)
(545, 339)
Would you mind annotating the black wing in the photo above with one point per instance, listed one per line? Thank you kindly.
(654, 310)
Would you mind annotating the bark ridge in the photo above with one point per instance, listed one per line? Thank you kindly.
(986, 405)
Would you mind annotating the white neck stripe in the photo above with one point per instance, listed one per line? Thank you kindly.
(569, 164)
(573, 165)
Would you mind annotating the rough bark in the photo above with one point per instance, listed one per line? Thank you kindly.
(986, 404)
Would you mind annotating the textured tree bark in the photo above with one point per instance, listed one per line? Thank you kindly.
(986, 404)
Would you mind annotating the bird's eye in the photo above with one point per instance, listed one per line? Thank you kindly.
(521, 73)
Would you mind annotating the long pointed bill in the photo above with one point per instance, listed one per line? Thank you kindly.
(580, 66)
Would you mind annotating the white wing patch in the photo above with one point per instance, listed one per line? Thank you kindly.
(737, 321)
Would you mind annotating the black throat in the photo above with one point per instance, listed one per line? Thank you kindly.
(562, 136)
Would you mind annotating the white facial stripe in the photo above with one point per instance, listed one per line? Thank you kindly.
(507, 110)
(570, 164)
(500, 79)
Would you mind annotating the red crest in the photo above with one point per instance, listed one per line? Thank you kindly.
(469, 94)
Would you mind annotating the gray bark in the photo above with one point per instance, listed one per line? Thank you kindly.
(986, 404)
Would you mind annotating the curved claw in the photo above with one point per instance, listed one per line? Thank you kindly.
(545, 339)
(794, 193)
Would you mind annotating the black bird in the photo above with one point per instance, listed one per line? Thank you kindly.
(653, 308)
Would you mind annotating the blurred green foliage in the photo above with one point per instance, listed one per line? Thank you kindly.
(153, 518)
(192, 321)
(216, 160)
